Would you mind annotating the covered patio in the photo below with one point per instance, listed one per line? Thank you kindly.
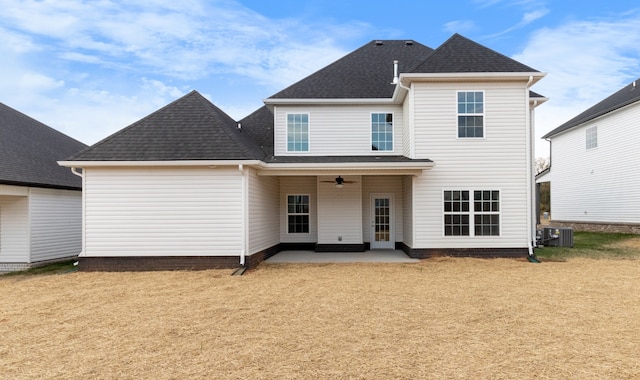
(372, 256)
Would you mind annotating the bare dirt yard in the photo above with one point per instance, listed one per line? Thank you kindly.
(438, 319)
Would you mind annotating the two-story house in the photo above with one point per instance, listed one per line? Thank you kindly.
(594, 175)
(394, 146)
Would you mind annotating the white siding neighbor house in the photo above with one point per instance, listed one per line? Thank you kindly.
(40, 204)
(394, 146)
(594, 173)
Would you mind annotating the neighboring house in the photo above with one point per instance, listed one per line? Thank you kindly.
(40, 202)
(594, 173)
(394, 146)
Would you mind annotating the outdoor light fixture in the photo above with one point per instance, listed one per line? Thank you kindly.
(339, 182)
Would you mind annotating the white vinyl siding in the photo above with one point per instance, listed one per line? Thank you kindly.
(14, 229)
(340, 211)
(337, 130)
(603, 184)
(407, 210)
(299, 185)
(498, 161)
(56, 223)
(386, 185)
(264, 206)
(163, 211)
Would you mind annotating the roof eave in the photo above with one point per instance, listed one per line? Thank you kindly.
(323, 101)
(210, 163)
(397, 168)
(533, 76)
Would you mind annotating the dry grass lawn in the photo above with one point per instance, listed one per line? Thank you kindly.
(439, 319)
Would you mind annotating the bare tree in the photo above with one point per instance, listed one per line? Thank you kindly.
(542, 163)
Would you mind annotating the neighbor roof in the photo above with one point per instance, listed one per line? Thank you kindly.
(29, 151)
(190, 128)
(365, 73)
(461, 55)
(627, 95)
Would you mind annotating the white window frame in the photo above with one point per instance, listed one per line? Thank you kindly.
(591, 137)
(393, 120)
(482, 114)
(286, 122)
(472, 213)
(308, 214)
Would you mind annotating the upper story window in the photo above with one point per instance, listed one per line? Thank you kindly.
(297, 132)
(470, 114)
(382, 131)
(592, 137)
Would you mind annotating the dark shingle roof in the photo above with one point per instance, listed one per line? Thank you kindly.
(259, 126)
(365, 73)
(190, 128)
(461, 55)
(29, 151)
(627, 95)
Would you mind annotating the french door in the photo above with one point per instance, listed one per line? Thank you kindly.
(382, 223)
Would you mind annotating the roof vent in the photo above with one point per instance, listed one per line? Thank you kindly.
(379, 43)
(408, 43)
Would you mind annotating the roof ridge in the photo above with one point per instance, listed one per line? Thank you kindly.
(602, 107)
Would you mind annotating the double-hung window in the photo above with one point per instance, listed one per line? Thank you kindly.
(466, 216)
(470, 114)
(297, 214)
(297, 132)
(382, 131)
(592, 137)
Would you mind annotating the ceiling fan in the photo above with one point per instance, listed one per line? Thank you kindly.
(339, 181)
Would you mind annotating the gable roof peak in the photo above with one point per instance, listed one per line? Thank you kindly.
(459, 54)
(189, 128)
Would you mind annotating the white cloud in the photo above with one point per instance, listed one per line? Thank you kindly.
(586, 61)
(459, 26)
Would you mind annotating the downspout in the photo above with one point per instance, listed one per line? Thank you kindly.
(245, 196)
(530, 178)
(75, 171)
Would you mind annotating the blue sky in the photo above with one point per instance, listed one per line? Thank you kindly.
(90, 68)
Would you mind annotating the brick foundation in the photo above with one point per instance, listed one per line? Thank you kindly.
(425, 253)
(625, 228)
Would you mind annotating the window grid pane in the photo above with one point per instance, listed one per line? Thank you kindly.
(382, 131)
(486, 205)
(456, 208)
(592, 137)
(298, 132)
(470, 114)
(298, 213)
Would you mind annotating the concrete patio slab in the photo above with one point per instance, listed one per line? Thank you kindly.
(377, 256)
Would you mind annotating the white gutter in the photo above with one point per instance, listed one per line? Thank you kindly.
(245, 216)
(82, 164)
(349, 101)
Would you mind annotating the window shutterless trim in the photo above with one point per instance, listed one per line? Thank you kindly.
(393, 121)
(471, 213)
(307, 214)
(471, 114)
(286, 123)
